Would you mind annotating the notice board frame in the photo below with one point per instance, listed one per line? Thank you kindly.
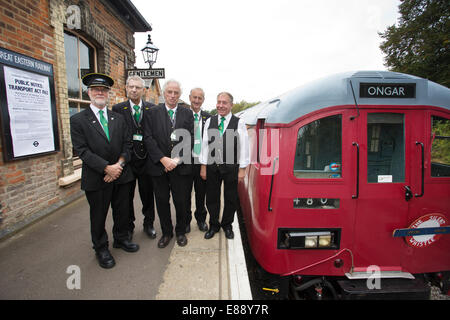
(26, 64)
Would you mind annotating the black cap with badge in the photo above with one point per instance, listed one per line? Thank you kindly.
(98, 80)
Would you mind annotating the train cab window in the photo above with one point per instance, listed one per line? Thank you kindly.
(385, 148)
(319, 149)
(440, 147)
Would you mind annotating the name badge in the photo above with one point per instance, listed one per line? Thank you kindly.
(137, 137)
(173, 137)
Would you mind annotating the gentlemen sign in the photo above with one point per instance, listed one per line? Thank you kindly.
(147, 73)
(387, 90)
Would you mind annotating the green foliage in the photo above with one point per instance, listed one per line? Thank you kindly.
(238, 107)
(440, 151)
(420, 43)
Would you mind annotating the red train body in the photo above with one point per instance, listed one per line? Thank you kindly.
(350, 175)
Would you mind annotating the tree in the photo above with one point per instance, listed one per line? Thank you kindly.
(237, 107)
(420, 44)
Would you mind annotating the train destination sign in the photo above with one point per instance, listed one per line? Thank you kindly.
(158, 73)
(387, 90)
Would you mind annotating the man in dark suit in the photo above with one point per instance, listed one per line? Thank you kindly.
(168, 128)
(197, 97)
(102, 140)
(224, 157)
(134, 111)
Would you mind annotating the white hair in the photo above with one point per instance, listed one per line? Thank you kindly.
(135, 78)
(198, 88)
(172, 81)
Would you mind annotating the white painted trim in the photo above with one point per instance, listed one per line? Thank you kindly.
(237, 268)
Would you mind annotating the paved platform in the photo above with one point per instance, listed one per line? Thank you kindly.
(53, 259)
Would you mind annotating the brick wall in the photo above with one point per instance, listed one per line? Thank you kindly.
(29, 188)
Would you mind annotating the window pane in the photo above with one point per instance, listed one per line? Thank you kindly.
(73, 108)
(86, 64)
(440, 148)
(318, 154)
(83, 106)
(73, 82)
(385, 147)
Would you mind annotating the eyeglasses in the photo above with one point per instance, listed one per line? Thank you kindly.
(100, 89)
(135, 87)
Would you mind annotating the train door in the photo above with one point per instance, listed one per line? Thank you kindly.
(429, 205)
(383, 145)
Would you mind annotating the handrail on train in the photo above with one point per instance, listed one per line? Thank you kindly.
(422, 169)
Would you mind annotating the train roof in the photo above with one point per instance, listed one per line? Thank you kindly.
(337, 90)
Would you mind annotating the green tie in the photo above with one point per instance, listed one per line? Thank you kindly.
(197, 136)
(104, 123)
(137, 113)
(221, 125)
(171, 115)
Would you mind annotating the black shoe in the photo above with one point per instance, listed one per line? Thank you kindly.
(209, 234)
(150, 231)
(202, 226)
(229, 234)
(105, 259)
(181, 240)
(126, 245)
(164, 241)
(188, 228)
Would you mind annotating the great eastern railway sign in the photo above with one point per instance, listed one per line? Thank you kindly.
(147, 73)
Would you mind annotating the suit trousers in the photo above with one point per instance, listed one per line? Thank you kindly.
(214, 179)
(99, 201)
(200, 194)
(145, 187)
(163, 186)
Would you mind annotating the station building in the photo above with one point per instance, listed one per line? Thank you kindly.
(58, 42)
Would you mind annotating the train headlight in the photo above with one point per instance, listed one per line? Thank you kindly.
(308, 238)
(325, 241)
(311, 242)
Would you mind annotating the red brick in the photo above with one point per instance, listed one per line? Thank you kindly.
(16, 180)
(14, 174)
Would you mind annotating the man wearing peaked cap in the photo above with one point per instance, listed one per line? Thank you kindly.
(102, 140)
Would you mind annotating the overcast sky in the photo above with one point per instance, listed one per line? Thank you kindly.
(259, 49)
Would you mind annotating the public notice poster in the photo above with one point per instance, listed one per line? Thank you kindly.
(29, 106)
(29, 124)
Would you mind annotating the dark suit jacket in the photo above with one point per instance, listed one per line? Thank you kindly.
(139, 154)
(204, 116)
(92, 146)
(157, 137)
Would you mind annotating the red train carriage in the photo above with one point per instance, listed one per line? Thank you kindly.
(348, 192)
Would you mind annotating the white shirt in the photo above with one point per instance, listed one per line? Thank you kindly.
(244, 154)
(97, 114)
(199, 118)
(174, 112)
(132, 105)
